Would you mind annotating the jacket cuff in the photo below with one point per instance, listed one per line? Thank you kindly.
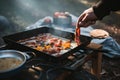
(101, 10)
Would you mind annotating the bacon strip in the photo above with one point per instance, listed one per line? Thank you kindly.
(77, 35)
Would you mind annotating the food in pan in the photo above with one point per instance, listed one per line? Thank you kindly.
(99, 33)
(49, 44)
(9, 63)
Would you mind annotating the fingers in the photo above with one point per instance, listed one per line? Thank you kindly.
(84, 21)
(85, 18)
(80, 20)
(86, 24)
(81, 17)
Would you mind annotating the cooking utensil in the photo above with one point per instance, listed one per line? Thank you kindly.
(13, 54)
(12, 40)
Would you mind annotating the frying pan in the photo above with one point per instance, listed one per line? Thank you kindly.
(15, 54)
(12, 40)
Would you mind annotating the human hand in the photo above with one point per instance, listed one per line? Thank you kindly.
(87, 18)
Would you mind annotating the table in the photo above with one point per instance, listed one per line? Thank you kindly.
(96, 58)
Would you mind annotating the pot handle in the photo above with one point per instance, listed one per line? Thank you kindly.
(29, 54)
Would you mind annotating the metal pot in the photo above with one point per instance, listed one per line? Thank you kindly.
(12, 54)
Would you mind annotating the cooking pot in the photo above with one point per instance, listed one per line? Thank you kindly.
(5, 54)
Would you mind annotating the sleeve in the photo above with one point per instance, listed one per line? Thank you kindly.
(104, 7)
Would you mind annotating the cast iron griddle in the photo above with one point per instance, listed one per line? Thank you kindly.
(12, 40)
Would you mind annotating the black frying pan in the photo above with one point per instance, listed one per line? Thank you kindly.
(12, 40)
(5, 55)
(11, 67)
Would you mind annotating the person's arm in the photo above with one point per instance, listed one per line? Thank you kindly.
(97, 12)
(104, 7)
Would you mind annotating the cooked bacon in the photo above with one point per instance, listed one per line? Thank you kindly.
(54, 39)
(58, 43)
(77, 35)
(47, 43)
(52, 51)
(58, 49)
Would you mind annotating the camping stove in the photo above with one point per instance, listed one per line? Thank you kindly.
(37, 68)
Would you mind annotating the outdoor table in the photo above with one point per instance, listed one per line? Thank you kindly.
(96, 58)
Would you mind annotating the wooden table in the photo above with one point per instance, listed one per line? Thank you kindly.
(96, 58)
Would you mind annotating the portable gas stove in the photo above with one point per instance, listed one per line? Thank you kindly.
(37, 68)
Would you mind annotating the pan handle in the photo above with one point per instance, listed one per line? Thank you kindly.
(29, 54)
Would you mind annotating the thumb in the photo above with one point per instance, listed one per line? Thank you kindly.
(80, 19)
(85, 19)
